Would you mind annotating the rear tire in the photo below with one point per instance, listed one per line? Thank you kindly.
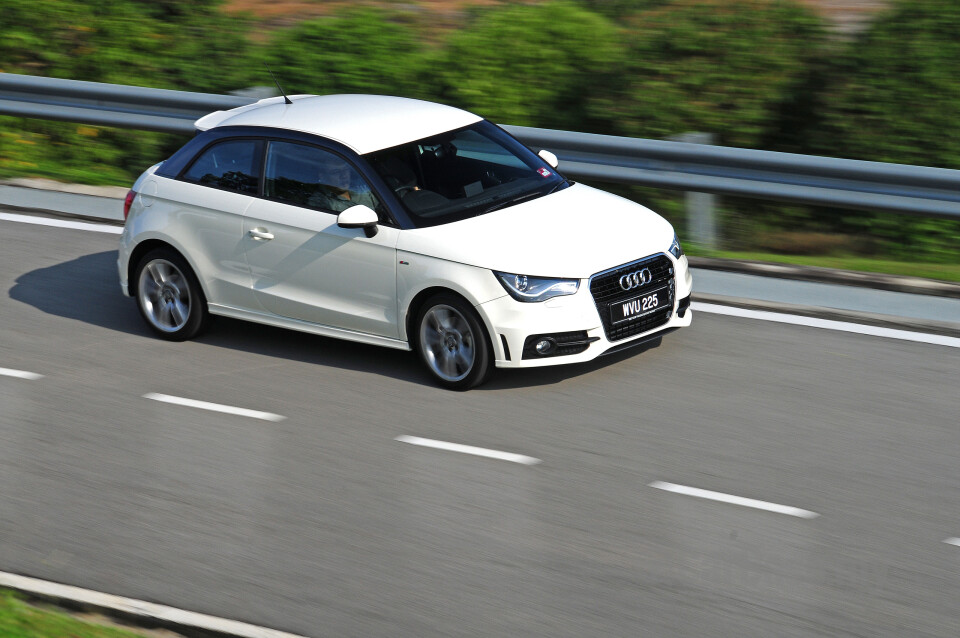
(452, 342)
(169, 295)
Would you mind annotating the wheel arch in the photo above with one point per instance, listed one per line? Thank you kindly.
(416, 304)
(145, 247)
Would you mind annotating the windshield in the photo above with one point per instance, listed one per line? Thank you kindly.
(463, 173)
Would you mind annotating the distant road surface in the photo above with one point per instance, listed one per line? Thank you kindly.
(743, 478)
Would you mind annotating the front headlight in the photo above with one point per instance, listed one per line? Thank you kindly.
(675, 248)
(524, 288)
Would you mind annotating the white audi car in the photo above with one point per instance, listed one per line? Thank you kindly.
(399, 223)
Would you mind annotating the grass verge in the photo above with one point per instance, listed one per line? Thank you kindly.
(19, 619)
(943, 272)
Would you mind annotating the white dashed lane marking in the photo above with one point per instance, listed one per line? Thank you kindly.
(827, 324)
(20, 374)
(214, 407)
(61, 223)
(469, 449)
(734, 500)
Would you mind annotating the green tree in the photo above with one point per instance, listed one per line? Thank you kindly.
(170, 44)
(894, 96)
(718, 66)
(363, 50)
(530, 64)
(194, 47)
(896, 93)
(621, 8)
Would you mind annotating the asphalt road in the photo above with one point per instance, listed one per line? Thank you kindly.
(323, 524)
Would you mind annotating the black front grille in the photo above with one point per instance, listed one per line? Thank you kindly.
(606, 290)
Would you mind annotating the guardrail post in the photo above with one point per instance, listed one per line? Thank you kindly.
(701, 216)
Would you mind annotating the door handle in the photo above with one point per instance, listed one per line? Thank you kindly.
(260, 234)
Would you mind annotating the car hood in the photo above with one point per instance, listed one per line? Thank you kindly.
(573, 233)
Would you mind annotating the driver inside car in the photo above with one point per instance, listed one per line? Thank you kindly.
(339, 187)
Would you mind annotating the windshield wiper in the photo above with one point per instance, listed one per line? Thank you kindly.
(559, 184)
(510, 202)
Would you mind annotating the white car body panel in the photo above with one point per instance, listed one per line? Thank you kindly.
(417, 273)
(365, 123)
(294, 267)
(315, 271)
(205, 225)
(516, 321)
(573, 233)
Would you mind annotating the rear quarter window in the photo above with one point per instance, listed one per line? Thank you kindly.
(232, 165)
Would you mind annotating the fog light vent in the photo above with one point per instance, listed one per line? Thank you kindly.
(556, 345)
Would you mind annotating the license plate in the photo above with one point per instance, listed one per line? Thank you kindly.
(630, 309)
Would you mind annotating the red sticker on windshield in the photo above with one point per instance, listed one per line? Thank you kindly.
(544, 172)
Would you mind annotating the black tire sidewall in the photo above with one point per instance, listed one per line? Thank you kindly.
(482, 363)
(197, 319)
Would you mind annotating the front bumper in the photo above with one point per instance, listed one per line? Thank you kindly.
(512, 323)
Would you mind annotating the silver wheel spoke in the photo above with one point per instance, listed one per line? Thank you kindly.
(449, 366)
(179, 312)
(457, 323)
(163, 315)
(157, 273)
(164, 295)
(447, 343)
(152, 288)
(464, 359)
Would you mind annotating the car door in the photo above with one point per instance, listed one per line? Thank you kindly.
(204, 210)
(305, 267)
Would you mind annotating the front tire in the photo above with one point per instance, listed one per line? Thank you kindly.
(169, 295)
(452, 342)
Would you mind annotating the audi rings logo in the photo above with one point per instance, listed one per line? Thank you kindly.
(636, 279)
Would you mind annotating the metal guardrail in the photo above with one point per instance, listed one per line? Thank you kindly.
(118, 105)
(823, 181)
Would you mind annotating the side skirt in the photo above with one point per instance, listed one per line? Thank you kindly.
(306, 326)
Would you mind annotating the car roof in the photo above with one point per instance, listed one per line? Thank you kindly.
(365, 123)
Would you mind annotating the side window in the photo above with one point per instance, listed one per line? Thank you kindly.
(233, 165)
(312, 177)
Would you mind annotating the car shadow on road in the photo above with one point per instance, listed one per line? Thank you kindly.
(86, 289)
(506, 379)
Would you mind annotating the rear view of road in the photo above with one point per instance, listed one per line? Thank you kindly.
(740, 478)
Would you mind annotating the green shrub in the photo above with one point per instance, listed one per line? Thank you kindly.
(530, 65)
(363, 50)
(80, 153)
(621, 8)
(166, 44)
(161, 44)
(895, 95)
(719, 66)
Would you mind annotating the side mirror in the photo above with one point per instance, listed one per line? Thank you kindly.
(549, 158)
(359, 216)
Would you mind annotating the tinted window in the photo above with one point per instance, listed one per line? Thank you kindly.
(312, 177)
(232, 165)
(463, 173)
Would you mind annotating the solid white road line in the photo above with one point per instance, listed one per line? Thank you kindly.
(20, 374)
(953, 541)
(735, 500)
(214, 407)
(61, 223)
(468, 449)
(827, 324)
(139, 608)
